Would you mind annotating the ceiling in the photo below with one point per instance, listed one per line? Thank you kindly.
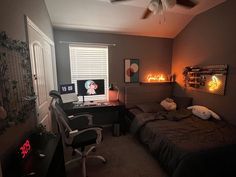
(122, 17)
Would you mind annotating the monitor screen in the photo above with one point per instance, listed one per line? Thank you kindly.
(67, 88)
(90, 87)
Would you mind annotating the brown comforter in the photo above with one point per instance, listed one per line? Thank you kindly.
(190, 147)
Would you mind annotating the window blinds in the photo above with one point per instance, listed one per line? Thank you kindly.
(89, 62)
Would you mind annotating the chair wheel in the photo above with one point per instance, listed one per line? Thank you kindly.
(94, 150)
(104, 162)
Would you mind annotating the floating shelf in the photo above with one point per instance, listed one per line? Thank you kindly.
(163, 82)
(195, 83)
(192, 77)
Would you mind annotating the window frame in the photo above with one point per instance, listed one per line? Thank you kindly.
(106, 77)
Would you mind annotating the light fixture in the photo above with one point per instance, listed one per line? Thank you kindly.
(156, 78)
(113, 92)
(214, 83)
(160, 6)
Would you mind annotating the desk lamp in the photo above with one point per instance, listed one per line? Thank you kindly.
(113, 92)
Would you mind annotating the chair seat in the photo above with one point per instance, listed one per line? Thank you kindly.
(84, 139)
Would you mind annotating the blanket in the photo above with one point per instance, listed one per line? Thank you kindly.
(143, 118)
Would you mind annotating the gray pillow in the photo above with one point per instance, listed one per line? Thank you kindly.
(150, 107)
(183, 102)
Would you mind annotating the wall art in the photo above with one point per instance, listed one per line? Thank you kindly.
(131, 70)
(211, 78)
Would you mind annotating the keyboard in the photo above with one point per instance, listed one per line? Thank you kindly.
(90, 104)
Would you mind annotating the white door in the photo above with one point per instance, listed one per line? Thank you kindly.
(42, 73)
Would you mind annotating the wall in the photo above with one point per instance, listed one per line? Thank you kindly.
(12, 21)
(209, 39)
(12, 17)
(154, 53)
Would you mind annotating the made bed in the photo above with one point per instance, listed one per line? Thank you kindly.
(185, 145)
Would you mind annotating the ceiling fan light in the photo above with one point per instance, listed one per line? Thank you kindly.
(168, 3)
(153, 6)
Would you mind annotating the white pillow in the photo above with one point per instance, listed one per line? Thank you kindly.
(203, 112)
(169, 104)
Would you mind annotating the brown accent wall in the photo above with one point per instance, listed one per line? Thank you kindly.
(209, 39)
(154, 54)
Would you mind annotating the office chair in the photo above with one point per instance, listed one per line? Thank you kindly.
(57, 96)
(77, 139)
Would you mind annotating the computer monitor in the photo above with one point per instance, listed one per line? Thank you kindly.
(90, 87)
(67, 88)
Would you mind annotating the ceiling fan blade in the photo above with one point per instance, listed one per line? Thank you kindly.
(186, 3)
(147, 13)
(113, 1)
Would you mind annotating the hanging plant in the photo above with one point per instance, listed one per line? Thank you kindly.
(15, 80)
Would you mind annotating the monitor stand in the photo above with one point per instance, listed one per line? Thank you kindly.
(83, 99)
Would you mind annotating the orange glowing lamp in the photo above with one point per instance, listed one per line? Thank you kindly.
(214, 84)
(156, 78)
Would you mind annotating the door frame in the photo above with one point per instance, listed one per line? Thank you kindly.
(32, 25)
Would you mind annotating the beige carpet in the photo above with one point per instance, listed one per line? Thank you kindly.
(126, 157)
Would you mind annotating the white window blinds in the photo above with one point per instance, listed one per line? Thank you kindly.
(89, 62)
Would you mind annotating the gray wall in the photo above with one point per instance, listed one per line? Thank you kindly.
(12, 21)
(209, 39)
(12, 17)
(154, 53)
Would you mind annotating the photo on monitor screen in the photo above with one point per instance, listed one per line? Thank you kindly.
(90, 87)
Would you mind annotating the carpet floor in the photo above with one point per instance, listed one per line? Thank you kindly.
(126, 157)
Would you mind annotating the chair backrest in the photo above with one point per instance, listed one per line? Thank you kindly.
(55, 95)
(63, 123)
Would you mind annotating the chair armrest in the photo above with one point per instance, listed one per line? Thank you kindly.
(73, 133)
(91, 128)
(88, 116)
(97, 129)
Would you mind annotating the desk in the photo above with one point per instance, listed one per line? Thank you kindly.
(71, 109)
(50, 165)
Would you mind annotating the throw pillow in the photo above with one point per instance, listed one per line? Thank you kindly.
(168, 104)
(203, 112)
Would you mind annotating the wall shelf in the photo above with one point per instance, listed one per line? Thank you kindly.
(163, 82)
(210, 78)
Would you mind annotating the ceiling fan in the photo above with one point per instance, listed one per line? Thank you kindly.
(158, 6)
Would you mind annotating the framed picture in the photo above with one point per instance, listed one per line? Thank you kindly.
(131, 70)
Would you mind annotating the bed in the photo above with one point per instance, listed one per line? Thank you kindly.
(185, 145)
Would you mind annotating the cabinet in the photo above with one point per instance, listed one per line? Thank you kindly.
(48, 165)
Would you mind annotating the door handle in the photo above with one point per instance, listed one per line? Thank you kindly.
(35, 77)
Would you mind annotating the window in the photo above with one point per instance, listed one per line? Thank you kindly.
(89, 62)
